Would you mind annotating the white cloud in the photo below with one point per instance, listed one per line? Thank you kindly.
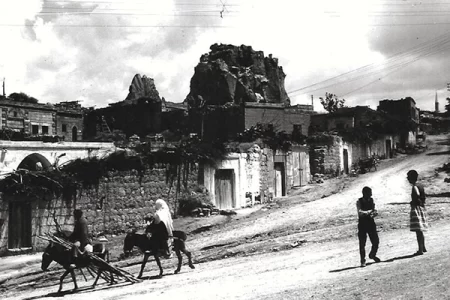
(313, 40)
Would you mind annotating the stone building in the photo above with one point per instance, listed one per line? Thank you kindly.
(338, 154)
(30, 118)
(406, 111)
(236, 87)
(64, 119)
(69, 120)
(257, 175)
(281, 117)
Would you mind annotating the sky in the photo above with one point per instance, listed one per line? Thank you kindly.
(362, 51)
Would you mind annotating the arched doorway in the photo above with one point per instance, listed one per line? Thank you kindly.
(34, 162)
(74, 134)
(20, 210)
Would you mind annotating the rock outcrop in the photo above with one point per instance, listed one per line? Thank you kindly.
(142, 87)
(232, 74)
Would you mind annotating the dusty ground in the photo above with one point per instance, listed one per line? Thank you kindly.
(303, 246)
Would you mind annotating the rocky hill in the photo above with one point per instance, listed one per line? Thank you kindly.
(232, 74)
(142, 87)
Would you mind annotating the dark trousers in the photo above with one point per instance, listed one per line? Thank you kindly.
(364, 229)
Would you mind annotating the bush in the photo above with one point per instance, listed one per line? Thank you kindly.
(189, 202)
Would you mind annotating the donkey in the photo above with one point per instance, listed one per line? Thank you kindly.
(64, 257)
(150, 246)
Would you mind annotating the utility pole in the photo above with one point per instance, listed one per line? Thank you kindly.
(436, 104)
(312, 102)
(4, 87)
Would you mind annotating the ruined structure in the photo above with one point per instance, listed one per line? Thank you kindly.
(406, 111)
(139, 113)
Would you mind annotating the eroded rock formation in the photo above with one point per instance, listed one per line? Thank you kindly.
(142, 87)
(232, 74)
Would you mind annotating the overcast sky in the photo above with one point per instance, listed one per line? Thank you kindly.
(363, 51)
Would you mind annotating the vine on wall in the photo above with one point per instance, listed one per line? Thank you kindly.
(179, 160)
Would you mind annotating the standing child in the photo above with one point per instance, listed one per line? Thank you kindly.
(367, 226)
(418, 216)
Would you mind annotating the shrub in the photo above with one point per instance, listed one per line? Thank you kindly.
(189, 202)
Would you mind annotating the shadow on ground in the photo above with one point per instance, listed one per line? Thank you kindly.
(439, 153)
(81, 290)
(371, 263)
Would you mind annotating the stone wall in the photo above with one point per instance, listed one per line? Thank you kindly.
(327, 158)
(253, 177)
(282, 118)
(120, 203)
(267, 176)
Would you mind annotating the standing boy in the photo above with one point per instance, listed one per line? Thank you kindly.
(366, 225)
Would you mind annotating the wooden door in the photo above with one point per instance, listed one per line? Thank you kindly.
(297, 169)
(388, 149)
(19, 225)
(303, 171)
(279, 179)
(346, 170)
(224, 188)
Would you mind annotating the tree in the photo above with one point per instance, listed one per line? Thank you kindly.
(331, 103)
(22, 97)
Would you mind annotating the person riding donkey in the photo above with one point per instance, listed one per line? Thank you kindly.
(80, 237)
(160, 227)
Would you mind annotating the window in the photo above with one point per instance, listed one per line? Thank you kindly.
(64, 128)
(15, 114)
(34, 129)
(44, 129)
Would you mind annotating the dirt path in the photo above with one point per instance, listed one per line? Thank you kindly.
(322, 262)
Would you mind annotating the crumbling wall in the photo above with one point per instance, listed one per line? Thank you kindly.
(326, 157)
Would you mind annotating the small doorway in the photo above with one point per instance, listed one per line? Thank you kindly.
(303, 169)
(19, 225)
(300, 173)
(224, 188)
(346, 170)
(388, 149)
(280, 187)
(74, 133)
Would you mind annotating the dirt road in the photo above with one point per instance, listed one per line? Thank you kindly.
(306, 247)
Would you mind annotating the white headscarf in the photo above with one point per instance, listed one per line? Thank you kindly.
(162, 214)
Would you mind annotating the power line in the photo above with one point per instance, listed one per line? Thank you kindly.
(133, 14)
(393, 71)
(443, 38)
(394, 68)
(120, 26)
